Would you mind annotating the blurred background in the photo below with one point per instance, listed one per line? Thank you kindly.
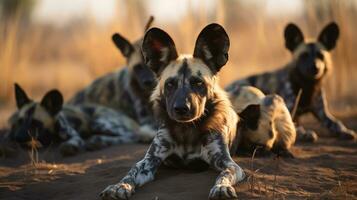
(66, 44)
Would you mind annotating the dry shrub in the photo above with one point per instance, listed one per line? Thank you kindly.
(44, 56)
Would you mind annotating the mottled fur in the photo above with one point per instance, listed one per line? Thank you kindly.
(306, 71)
(198, 123)
(265, 121)
(126, 90)
(74, 127)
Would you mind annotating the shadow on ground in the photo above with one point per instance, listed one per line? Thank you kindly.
(326, 169)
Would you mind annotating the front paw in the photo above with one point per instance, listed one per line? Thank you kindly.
(308, 136)
(120, 191)
(286, 154)
(68, 149)
(95, 143)
(348, 135)
(222, 192)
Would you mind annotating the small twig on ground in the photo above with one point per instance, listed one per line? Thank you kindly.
(34, 145)
(253, 172)
(148, 24)
(296, 104)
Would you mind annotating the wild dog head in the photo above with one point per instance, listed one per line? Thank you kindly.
(186, 83)
(135, 61)
(312, 58)
(259, 121)
(35, 120)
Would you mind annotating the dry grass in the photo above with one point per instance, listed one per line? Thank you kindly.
(43, 56)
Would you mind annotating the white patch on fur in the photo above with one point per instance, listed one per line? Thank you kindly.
(211, 148)
(141, 179)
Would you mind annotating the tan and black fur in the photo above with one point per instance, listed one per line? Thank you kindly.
(127, 90)
(197, 121)
(305, 72)
(266, 123)
(73, 127)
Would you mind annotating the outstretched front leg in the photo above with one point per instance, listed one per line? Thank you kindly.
(216, 152)
(74, 143)
(336, 127)
(110, 129)
(143, 171)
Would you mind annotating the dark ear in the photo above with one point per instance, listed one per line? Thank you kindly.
(158, 49)
(20, 96)
(293, 37)
(329, 36)
(123, 44)
(250, 116)
(212, 47)
(52, 101)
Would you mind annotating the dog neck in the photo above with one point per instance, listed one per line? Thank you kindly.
(309, 87)
(217, 110)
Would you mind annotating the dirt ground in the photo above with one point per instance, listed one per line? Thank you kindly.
(324, 170)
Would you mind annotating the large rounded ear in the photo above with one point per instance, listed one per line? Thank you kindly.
(122, 44)
(329, 36)
(158, 49)
(212, 47)
(52, 101)
(20, 96)
(250, 116)
(293, 37)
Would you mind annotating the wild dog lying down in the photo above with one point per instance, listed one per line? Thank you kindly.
(265, 122)
(306, 72)
(75, 127)
(127, 90)
(198, 124)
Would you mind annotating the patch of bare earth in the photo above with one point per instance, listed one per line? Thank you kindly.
(324, 170)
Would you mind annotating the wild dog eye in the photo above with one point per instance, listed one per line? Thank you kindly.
(170, 84)
(197, 83)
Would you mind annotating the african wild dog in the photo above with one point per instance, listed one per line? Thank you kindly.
(197, 121)
(127, 90)
(265, 122)
(309, 66)
(75, 127)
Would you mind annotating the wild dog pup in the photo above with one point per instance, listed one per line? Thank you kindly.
(127, 90)
(75, 127)
(198, 124)
(306, 72)
(265, 121)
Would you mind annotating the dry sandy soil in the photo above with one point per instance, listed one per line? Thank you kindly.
(324, 170)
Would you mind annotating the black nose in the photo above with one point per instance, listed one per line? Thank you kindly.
(182, 109)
